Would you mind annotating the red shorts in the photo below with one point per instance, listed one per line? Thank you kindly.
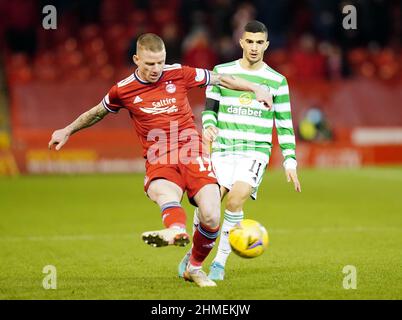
(189, 177)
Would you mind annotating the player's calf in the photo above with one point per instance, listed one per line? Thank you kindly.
(174, 219)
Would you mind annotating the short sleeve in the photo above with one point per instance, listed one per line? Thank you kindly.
(213, 92)
(111, 101)
(195, 77)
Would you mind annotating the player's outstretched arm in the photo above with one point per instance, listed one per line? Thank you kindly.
(261, 92)
(87, 119)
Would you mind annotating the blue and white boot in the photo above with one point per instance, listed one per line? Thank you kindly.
(217, 271)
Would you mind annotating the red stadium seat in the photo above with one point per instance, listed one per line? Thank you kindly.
(70, 44)
(72, 59)
(45, 67)
(106, 72)
(18, 68)
(357, 56)
(93, 47)
(387, 64)
(89, 32)
(21, 74)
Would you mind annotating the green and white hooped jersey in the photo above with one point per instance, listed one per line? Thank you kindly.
(245, 125)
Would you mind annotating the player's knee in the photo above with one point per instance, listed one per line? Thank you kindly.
(153, 193)
(210, 215)
(211, 221)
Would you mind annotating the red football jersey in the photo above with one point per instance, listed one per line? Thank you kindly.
(162, 105)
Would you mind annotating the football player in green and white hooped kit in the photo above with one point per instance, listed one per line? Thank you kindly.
(240, 129)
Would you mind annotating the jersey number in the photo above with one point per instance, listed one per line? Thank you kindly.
(201, 161)
(255, 169)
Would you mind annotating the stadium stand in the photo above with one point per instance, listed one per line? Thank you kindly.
(356, 81)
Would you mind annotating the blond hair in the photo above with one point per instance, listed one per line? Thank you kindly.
(151, 42)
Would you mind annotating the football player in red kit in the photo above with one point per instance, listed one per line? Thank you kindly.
(156, 97)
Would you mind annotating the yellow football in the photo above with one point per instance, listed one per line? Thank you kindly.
(248, 239)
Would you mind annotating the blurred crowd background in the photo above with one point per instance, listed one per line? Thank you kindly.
(339, 78)
(97, 37)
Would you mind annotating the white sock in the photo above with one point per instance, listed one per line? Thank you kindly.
(192, 268)
(196, 220)
(181, 229)
(229, 221)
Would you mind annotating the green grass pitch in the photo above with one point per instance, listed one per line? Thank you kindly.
(89, 228)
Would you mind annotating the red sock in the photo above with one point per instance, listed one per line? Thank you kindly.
(203, 242)
(173, 215)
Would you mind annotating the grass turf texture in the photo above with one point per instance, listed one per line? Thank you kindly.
(89, 228)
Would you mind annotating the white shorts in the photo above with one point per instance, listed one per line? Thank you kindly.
(238, 167)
